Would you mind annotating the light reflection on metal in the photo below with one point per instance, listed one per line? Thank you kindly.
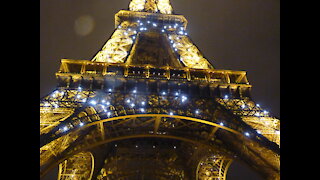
(214, 167)
(98, 101)
(79, 166)
(152, 6)
(117, 47)
(189, 54)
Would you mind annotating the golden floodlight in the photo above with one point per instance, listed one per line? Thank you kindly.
(149, 105)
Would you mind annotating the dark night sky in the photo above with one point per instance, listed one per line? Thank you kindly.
(232, 34)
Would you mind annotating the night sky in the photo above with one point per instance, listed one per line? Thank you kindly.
(232, 35)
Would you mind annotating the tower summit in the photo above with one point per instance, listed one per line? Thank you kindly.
(149, 105)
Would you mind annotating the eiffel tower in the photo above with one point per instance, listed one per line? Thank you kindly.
(149, 105)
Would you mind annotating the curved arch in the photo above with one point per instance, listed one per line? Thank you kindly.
(150, 125)
(160, 116)
(106, 141)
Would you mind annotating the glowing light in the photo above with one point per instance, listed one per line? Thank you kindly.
(197, 112)
(132, 105)
(142, 110)
(93, 102)
(143, 103)
(154, 25)
(163, 93)
(221, 124)
(65, 128)
(81, 124)
(183, 98)
(171, 113)
(134, 91)
(128, 101)
(243, 106)
(226, 97)
(247, 134)
(259, 132)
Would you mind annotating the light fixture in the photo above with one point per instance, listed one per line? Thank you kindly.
(65, 128)
(93, 102)
(247, 134)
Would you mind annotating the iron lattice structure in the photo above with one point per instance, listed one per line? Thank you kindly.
(149, 105)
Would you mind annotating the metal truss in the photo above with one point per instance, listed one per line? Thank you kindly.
(117, 47)
(152, 6)
(189, 54)
(77, 167)
(107, 99)
(115, 116)
(214, 167)
(255, 116)
(156, 163)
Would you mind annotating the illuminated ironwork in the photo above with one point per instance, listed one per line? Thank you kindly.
(153, 106)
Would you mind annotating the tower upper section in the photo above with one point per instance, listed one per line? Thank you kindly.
(150, 34)
(153, 6)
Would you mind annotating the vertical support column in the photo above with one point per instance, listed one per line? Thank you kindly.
(79, 166)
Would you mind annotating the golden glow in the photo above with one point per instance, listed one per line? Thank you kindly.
(165, 7)
(214, 167)
(137, 5)
(79, 166)
(152, 6)
(190, 55)
(117, 47)
(69, 112)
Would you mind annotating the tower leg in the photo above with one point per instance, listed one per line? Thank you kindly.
(213, 167)
(79, 166)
